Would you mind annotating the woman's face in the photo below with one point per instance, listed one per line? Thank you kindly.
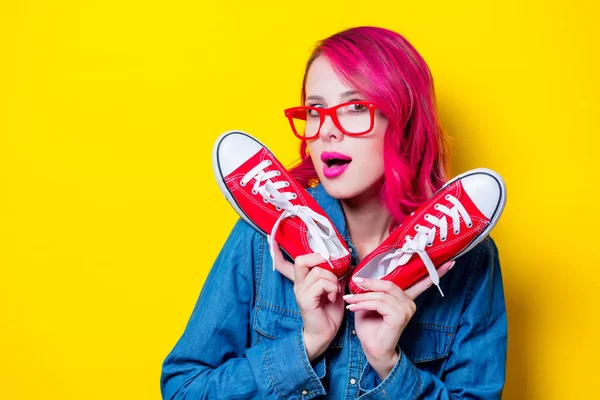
(361, 172)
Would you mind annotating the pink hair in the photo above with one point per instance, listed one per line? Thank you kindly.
(386, 68)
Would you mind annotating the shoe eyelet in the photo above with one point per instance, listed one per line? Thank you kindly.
(269, 162)
(287, 184)
(278, 208)
(417, 227)
(437, 207)
(427, 216)
(242, 184)
(254, 191)
(429, 244)
(443, 239)
(265, 200)
(470, 225)
(456, 232)
(295, 196)
(278, 173)
(447, 197)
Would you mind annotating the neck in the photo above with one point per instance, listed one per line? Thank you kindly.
(368, 222)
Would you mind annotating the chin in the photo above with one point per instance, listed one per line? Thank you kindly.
(348, 187)
(340, 189)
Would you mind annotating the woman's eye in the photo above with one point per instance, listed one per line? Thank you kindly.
(314, 113)
(358, 107)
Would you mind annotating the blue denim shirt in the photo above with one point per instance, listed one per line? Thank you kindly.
(244, 337)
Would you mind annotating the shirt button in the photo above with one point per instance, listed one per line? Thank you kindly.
(304, 392)
(352, 381)
(353, 332)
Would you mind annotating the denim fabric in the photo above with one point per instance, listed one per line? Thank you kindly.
(244, 337)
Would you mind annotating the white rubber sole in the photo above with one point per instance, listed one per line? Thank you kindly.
(497, 213)
(221, 179)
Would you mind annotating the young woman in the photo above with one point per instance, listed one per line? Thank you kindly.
(255, 333)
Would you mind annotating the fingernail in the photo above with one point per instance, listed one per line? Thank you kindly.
(452, 265)
(349, 306)
(358, 279)
(348, 296)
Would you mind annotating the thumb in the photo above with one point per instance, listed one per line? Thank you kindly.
(284, 267)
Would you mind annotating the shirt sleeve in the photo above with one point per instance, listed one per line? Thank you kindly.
(476, 367)
(213, 358)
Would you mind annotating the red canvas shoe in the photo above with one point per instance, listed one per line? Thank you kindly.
(263, 193)
(453, 221)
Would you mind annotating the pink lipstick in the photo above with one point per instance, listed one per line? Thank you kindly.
(334, 164)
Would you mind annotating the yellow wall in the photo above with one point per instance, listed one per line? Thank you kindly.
(110, 217)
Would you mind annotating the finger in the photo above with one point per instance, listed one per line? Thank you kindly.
(317, 273)
(318, 289)
(382, 308)
(284, 267)
(302, 265)
(415, 290)
(369, 296)
(379, 285)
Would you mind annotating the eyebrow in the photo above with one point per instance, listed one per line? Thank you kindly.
(343, 95)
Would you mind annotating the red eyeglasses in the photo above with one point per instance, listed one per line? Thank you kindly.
(353, 118)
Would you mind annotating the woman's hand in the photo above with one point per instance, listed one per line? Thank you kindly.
(381, 316)
(319, 297)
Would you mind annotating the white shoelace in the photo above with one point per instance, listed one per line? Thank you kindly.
(319, 227)
(425, 237)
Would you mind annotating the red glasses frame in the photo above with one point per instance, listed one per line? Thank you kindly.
(332, 113)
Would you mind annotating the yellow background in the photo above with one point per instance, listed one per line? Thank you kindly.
(110, 217)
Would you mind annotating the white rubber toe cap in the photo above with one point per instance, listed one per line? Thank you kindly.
(232, 149)
(486, 190)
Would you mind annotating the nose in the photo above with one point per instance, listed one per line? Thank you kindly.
(329, 131)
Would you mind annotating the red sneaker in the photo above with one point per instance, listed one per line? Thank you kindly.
(263, 193)
(453, 221)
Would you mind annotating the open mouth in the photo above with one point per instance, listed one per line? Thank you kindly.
(335, 159)
(336, 162)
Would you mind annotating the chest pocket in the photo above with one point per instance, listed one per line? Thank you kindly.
(424, 343)
(272, 325)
